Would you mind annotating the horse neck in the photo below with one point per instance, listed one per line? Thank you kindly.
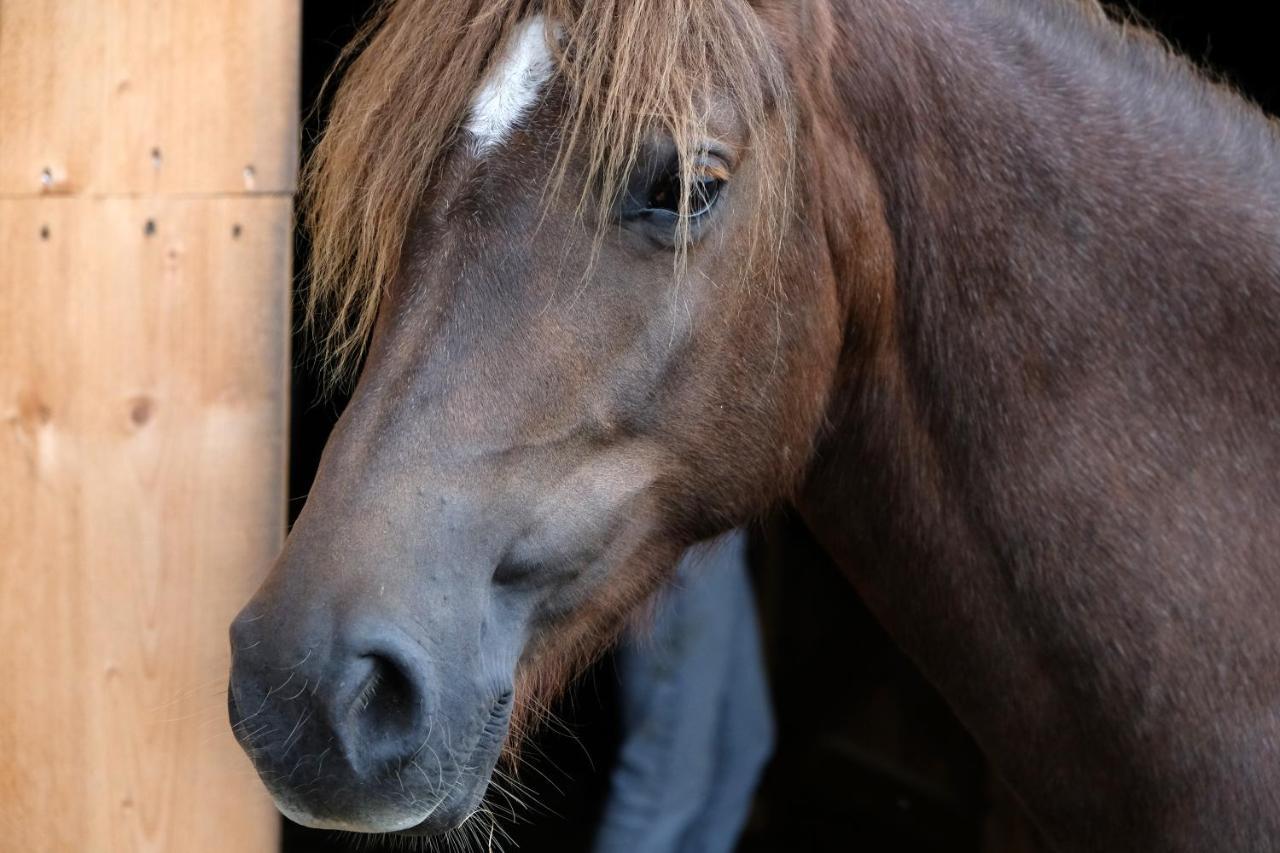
(1033, 146)
(1051, 195)
(1079, 280)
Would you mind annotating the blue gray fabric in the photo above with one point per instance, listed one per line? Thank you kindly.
(697, 722)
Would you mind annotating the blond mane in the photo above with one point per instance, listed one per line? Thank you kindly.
(625, 66)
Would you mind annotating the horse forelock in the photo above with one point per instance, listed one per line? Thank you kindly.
(421, 72)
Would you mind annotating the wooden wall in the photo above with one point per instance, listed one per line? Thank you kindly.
(147, 166)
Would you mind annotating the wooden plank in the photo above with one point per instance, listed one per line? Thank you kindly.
(148, 96)
(142, 494)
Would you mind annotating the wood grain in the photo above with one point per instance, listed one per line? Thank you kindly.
(147, 164)
(142, 429)
(113, 97)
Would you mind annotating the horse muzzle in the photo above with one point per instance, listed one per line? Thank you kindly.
(363, 735)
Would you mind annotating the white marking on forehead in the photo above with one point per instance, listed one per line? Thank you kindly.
(511, 86)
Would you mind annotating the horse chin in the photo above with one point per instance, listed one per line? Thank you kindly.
(451, 814)
(468, 791)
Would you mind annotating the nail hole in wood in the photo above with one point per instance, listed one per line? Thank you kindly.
(156, 158)
(32, 410)
(149, 228)
(250, 174)
(46, 177)
(236, 231)
(44, 232)
(140, 410)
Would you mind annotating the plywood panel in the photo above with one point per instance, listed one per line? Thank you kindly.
(148, 96)
(142, 427)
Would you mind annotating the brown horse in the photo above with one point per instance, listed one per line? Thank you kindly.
(988, 289)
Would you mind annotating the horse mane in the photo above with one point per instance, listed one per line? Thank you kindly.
(624, 66)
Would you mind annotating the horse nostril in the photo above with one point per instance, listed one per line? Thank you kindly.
(387, 707)
(304, 703)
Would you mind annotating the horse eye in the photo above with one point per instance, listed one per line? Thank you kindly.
(705, 193)
(664, 195)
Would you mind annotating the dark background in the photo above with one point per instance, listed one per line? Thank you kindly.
(868, 757)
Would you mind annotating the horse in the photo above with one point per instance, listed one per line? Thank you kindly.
(987, 291)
